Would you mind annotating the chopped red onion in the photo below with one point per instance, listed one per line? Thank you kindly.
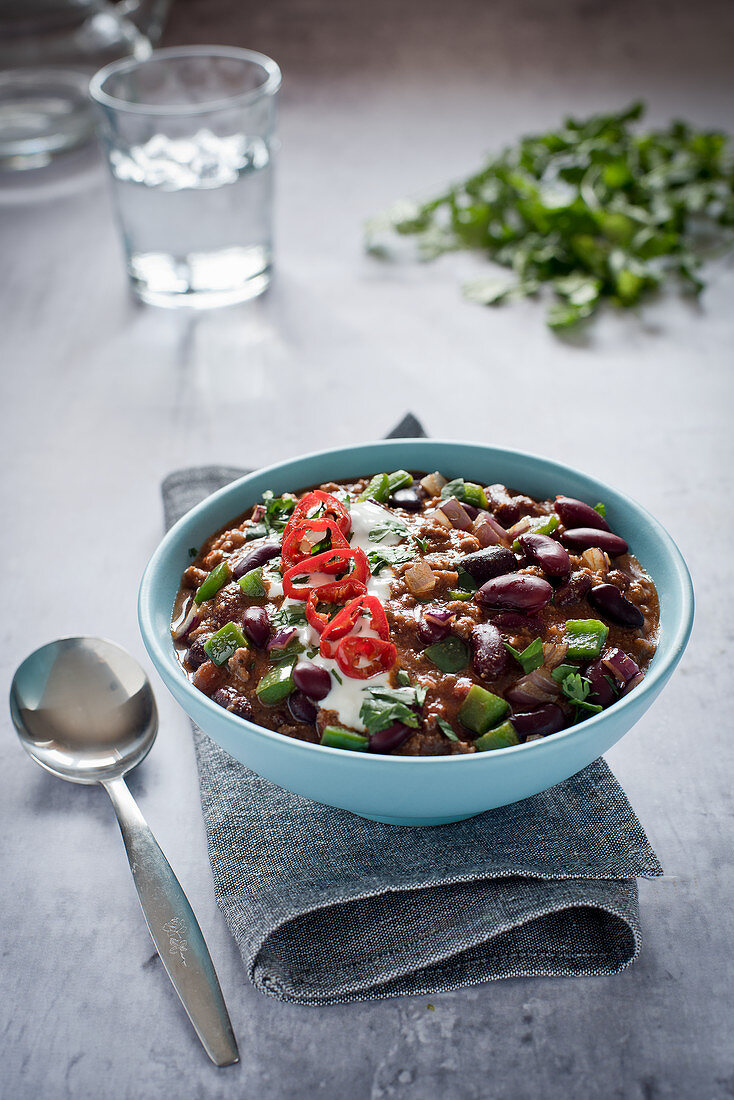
(554, 653)
(633, 682)
(520, 527)
(282, 639)
(187, 620)
(487, 523)
(485, 533)
(438, 615)
(622, 667)
(455, 514)
(532, 690)
(258, 512)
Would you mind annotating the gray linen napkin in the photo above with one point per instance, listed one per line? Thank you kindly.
(327, 907)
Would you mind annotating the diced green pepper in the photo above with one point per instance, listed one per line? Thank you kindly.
(585, 638)
(211, 584)
(378, 489)
(276, 684)
(474, 494)
(252, 583)
(481, 709)
(221, 646)
(399, 479)
(501, 737)
(467, 491)
(450, 655)
(337, 738)
(542, 526)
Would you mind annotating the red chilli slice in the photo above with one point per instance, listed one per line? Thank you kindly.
(362, 607)
(323, 506)
(361, 657)
(336, 593)
(298, 544)
(332, 562)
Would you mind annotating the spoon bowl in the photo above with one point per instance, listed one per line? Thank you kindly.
(84, 709)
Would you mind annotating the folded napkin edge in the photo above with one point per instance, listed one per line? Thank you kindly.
(304, 991)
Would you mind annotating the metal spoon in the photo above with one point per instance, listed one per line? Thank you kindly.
(84, 710)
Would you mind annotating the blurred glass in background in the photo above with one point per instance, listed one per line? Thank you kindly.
(189, 137)
(49, 49)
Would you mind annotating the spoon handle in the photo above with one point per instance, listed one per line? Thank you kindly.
(174, 929)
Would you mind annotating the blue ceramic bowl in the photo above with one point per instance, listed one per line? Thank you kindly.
(417, 790)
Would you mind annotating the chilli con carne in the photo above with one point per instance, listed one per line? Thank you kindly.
(416, 615)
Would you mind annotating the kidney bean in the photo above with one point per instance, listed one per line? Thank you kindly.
(517, 593)
(409, 498)
(489, 656)
(547, 553)
(602, 691)
(544, 720)
(574, 590)
(574, 513)
(609, 600)
(582, 538)
(492, 561)
(258, 556)
(197, 655)
(232, 700)
(512, 622)
(302, 708)
(391, 738)
(256, 625)
(312, 680)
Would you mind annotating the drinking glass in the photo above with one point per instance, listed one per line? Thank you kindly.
(189, 137)
(48, 51)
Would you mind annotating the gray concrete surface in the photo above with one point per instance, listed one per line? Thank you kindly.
(100, 398)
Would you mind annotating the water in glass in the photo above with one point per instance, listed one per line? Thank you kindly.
(195, 215)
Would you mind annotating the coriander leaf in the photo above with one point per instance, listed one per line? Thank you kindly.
(277, 510)
(576, 688)
(601, 509)
(388, 526)
(465, 580)
(384, 706)
(453, 488)
(446, 729)
(290, 653)
(487, 292)
(193, 552)
(289, 615)
(560, 672)
(403, 678)
(257, 531)
(596, 209)
(388, 555)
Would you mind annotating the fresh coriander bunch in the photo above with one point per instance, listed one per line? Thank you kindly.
(598, 209)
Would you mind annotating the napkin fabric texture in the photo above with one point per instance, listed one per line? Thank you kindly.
(327, 907)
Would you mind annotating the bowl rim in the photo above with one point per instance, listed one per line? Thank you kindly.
(657, 673)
